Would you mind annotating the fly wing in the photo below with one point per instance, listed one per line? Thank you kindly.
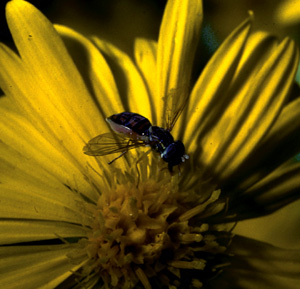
(108, 143)
(175, 102)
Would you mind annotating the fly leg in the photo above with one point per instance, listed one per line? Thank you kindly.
(122, 154)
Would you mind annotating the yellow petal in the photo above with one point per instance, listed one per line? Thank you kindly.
(18, 231)
(208, 93)
(178, 39)
(27, 197)
(145, 52)
(271, 193)
(20, 139)
(277, 189)
(253, 111)
(259, 265)
(7, 104)
(53, 95)
(259, 46)
(283, 227)
(99, 74)
(12, 74)
(281, 141)
(30, 192)
(132, 86)
(103, 86)
(30, 267)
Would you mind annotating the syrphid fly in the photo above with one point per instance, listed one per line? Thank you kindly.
(131, 130)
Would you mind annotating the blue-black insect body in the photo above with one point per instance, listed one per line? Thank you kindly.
(132, 130)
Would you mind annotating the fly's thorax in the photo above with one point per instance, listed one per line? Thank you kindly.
(159, 138)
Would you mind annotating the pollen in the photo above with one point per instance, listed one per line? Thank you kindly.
(152, 235)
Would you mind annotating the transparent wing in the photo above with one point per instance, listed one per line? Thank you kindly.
(109, 143)
(175, 103)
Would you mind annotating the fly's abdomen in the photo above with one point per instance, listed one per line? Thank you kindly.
(133, 121)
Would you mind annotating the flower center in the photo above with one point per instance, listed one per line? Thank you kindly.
(154, 236)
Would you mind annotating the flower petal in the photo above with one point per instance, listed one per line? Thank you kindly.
(100, 80)
(278, 189)
(99, 77)
(178, 39)
(253, 111)
(208, 99)
(28, 201)
(19, 231)
(41, 154)
(282, 227)
(282, 141)
(7, 104)
(29, 192)
(145, 52)
(263, 183)
(46, 77)
(247, 111)
(44, 53)
(136, 98)
(259, 265)
(34, 266)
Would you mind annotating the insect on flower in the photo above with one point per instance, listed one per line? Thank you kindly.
(131, 130)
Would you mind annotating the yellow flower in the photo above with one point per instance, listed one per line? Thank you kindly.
(73, 221)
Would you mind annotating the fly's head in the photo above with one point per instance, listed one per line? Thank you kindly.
(174, 154)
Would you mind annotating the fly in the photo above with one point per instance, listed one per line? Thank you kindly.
(131, 130)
